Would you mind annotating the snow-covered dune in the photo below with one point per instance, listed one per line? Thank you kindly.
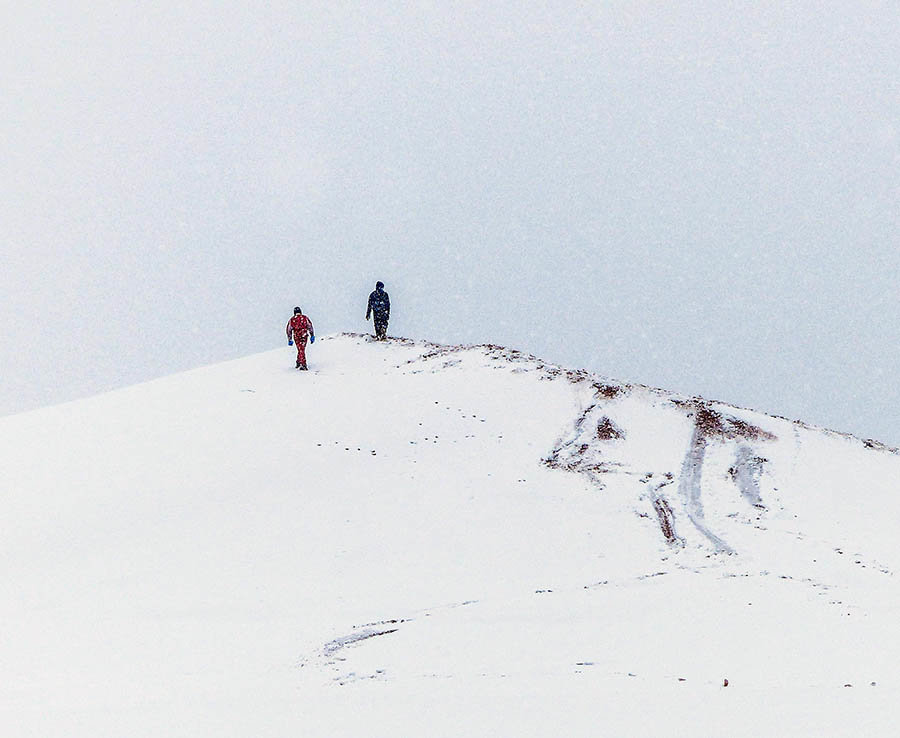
(415, 539)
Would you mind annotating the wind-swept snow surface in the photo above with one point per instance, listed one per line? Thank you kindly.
(425, 540)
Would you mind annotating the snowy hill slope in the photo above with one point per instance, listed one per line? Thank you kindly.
(424, 540)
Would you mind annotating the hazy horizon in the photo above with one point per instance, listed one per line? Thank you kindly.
(704, 198)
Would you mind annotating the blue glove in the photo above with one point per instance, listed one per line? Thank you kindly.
(312, 338)
(290, 342)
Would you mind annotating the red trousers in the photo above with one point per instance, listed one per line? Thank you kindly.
(301, 352)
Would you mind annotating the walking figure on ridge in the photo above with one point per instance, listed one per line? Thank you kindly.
(299, 328)
(380, 308)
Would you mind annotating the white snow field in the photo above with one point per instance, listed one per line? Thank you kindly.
(418, 540)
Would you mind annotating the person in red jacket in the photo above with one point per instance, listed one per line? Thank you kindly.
(298, 329)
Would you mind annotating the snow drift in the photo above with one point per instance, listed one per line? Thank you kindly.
(415, 539)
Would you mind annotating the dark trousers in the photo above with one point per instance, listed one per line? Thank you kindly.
(380, 328)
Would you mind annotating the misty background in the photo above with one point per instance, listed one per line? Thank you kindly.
(700, 196)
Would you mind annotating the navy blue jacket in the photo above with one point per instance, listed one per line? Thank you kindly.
(380, 304)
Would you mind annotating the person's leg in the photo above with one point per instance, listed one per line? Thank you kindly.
(301, 354)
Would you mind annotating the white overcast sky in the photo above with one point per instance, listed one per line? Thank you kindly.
(702, 196)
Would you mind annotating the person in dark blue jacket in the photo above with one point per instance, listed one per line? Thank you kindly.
(380, 308)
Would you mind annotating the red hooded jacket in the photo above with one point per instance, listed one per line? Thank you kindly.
(299, 327)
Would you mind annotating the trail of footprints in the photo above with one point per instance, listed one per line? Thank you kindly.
(432, 439)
